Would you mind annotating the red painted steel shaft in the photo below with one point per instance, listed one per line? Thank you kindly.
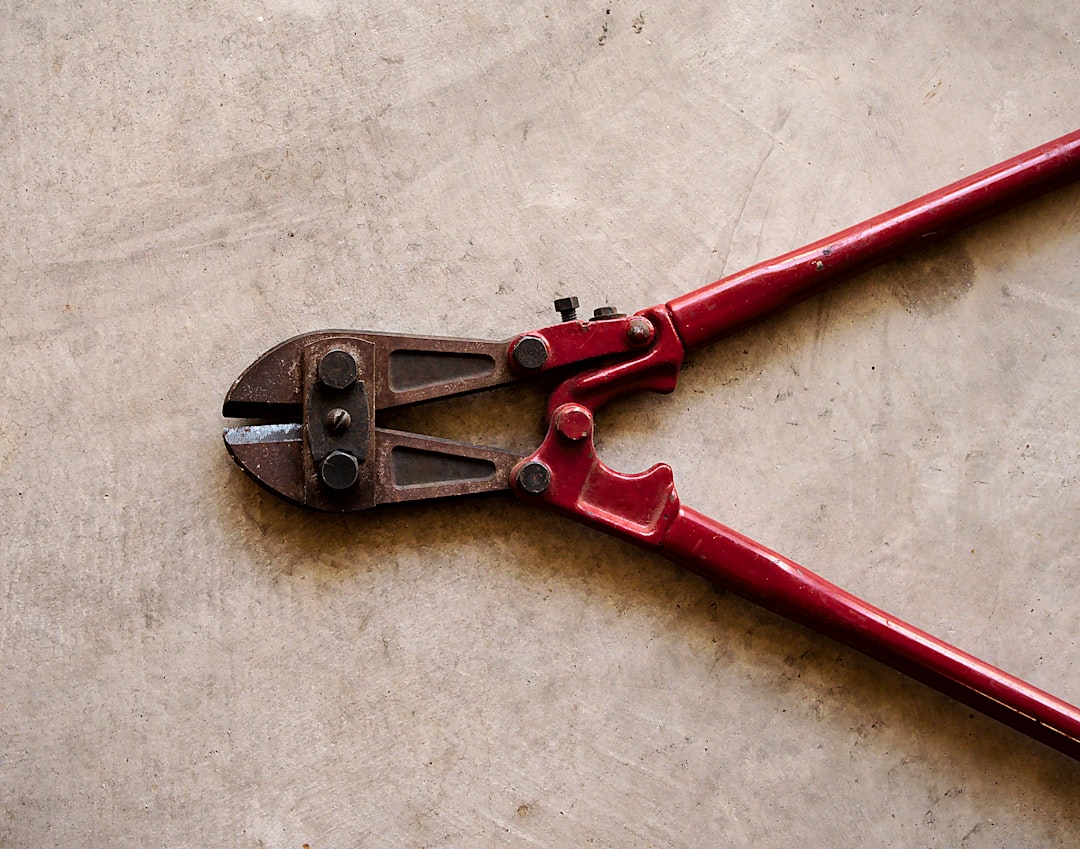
(754, 572)
(704, 315)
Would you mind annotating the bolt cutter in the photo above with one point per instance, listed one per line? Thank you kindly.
(319, 441)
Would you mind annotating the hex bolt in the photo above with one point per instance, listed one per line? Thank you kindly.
(534, 477)
(530, 352)
(567, 308)
(639, 331)
(338, 420)
(340, 470)
(604, 313)
(337, 369)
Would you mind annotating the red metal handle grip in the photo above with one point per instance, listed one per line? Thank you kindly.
(704, 315)
(564, 474)
(754, 572)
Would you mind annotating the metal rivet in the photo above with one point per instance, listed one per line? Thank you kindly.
(574, 423)
(338, 420)
(337, 370)
(534, 477)
(639, 331)
(340, 470)
(530, 352)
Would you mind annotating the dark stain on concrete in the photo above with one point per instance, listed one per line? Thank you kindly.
(929, 280)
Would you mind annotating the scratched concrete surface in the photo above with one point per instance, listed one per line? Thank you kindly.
(187, 661)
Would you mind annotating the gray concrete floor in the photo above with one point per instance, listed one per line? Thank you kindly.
(188, 661)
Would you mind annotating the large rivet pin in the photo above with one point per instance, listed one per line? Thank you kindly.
(639, 331)
(573, 423)
(530, 352)
(534, 477)
(337, 369)
(340, 470)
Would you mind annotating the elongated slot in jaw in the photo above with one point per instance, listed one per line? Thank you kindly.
(421, 369)
(410, 467)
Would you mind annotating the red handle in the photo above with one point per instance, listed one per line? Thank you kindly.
(754, 572)
(704, 315)
(564, 474)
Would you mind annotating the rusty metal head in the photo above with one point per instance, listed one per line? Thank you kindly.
(316, 397)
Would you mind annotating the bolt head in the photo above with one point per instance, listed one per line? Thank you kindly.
(606, 313)
(534, 477)
(530, 352)
(566, 304)
(338, 420)
(340, 470)
(337, 370)
(573, 422)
